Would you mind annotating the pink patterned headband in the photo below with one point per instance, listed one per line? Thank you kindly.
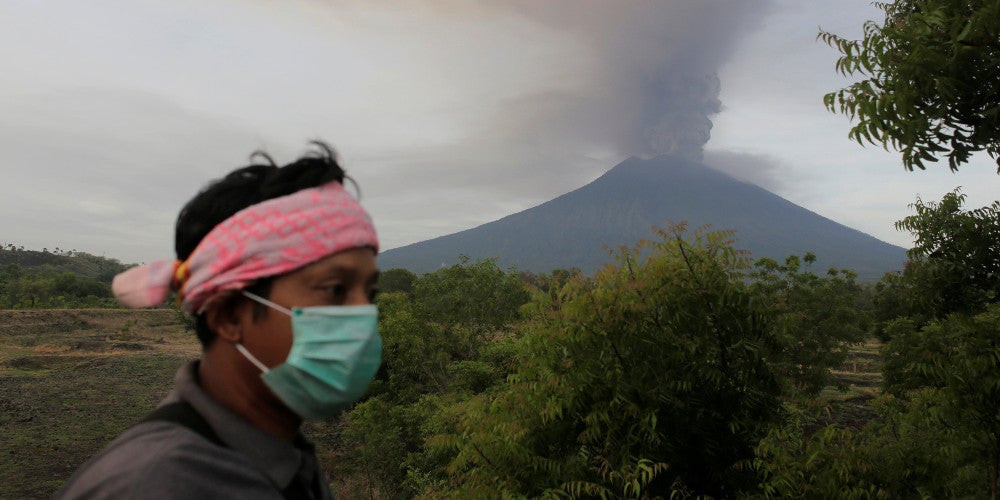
(272, 237)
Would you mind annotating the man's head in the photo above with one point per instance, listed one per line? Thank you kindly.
(246, 187)
(294, 241)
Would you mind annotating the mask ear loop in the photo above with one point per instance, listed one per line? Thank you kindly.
(262, 300)
(239, 346)
(250, 357)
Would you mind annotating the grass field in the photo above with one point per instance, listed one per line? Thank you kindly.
(71, 380)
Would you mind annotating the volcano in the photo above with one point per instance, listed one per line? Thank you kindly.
(627, 202)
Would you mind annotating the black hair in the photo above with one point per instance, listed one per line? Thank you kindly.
(262, 180)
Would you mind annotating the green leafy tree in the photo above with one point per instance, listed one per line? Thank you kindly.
(961, 251)
(819, 317)
(415, 352)
(959, 357)
(903, 294)
(397, 280)
(954, 265)
(931, 80)
(650, 379)
(802, 459)
(916, 452)
(11, 272)
(20, 288)
(436, 352)
(479, 296)
(942, 358)
(79, 263)
(907, 452)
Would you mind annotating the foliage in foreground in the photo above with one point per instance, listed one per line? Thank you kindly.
(817, 319)
(659, 375)
(649, 379)
(938, 431)
(905, 452)
(444, 341)
(958, 360)
(931, 82)
(683, 370)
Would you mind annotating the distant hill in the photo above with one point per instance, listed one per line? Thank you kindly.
(58, 261)
(624, 204)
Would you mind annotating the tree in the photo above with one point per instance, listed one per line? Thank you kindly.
(905, 453)
(817, 316)
(650, 379)
(955, 261)
(959, 357)
(945, 339)
(10, 272)
(932, 80)
(444, 337)
(480, 296)
(397, 280)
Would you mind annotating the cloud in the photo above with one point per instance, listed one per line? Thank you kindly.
(106, 169)
(761, 169)
(656, 64)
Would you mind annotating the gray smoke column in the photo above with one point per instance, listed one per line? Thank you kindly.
(656, 81)
(678, 123)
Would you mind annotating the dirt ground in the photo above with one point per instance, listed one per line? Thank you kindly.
(71, 380)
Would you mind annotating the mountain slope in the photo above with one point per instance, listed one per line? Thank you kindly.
(622, 206)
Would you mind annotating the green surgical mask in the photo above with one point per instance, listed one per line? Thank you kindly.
(335, 354)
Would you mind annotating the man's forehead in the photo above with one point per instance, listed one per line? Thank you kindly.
(350, 262)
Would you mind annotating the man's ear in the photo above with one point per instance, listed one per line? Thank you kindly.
(223, 317)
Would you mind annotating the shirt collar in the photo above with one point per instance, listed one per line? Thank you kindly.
(276, 457)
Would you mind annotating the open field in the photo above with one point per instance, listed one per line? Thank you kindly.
(71, 380)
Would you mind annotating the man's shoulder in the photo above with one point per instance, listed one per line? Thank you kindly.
(159, 459)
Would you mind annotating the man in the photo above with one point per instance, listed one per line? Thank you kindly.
(277, 264)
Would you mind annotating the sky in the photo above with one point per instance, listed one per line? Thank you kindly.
(448, 114)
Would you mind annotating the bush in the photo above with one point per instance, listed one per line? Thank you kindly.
(651, 378)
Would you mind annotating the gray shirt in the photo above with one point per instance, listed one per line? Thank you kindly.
(160, 459)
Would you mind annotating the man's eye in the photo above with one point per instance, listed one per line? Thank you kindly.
(338, 290)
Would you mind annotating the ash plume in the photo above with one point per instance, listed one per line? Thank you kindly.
(679, 124)
(657, 64)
